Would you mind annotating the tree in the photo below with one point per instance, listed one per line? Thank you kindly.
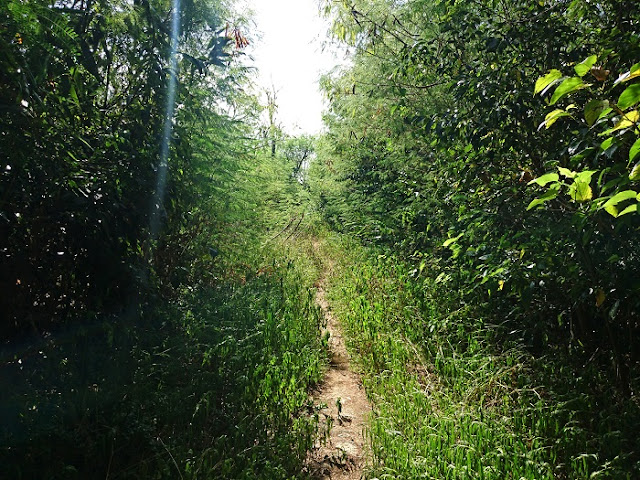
(433, 136)
(273, 131)
(299, 152)
(84, 97)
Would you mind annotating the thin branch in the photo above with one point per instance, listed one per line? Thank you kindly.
(172, 459)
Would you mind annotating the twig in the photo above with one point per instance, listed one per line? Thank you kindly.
(293, 219)
(296, 227)
(172, 459)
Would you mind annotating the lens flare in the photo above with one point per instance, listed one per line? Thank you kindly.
(157, 207)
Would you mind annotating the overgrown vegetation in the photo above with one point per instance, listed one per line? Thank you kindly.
(480, 165)
(523, 301)
(451, 401)
(148, 330)
(215, 385)
(433, 138)
(210, 381)
(88, 124)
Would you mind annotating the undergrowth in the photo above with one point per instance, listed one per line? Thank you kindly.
(213, 386)
(453, 400)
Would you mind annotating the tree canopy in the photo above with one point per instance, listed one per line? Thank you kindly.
(84, 94)
(450, 119)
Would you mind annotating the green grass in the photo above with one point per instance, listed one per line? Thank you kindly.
(214, 385)
(452, 402)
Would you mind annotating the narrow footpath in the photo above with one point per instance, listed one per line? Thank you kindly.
(339, 454)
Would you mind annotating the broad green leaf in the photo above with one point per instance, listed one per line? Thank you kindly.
(605, 112)
(616, 182)
(546, 178)
(607, 143)
(580, 156)
(550, 195)
(580, 191)
(635, 150)
(583, 67)
(546, 80)
(593, 109)
(539, 201)
(611, 204)
(452, 240)
(585, 176)
(629, 209)
(635, 172)
(611, 209)
(631, 74)
(565, 172)
(627, 120)
(629, 97)
(551, 117)
(568, 86)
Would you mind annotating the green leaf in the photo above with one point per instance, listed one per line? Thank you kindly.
(568, 86)
(580, 156)
(550, 195)
(611, 204)
(605, 112)
(585, 176)
(603, 172)
(580, 191)
(627, 120)
(616, 182)
(585, 66)
(635, 172)
(635, 150)
(593, 110)
(600, 297)
(607, 143)
(546, 178)
(631, 74)
(552, 117)
(547, 80)
(74, 94)
(452, 240)
(629, 97)
(629, 209)
(565, 172)
(611, 209)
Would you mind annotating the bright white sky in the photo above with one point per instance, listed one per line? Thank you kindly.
(289, 56)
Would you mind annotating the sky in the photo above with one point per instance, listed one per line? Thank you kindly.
(290, 57)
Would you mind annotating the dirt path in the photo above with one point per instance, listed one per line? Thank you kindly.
(339, 453)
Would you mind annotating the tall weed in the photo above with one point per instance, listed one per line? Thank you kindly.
(452, 400)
